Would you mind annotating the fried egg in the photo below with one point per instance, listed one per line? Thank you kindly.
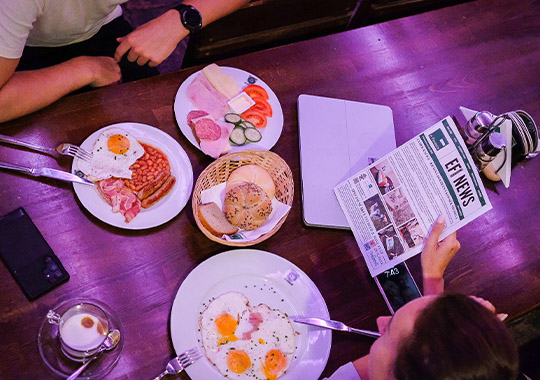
(245, 342)
(113, 153)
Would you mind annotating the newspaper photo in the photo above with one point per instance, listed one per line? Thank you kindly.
(392, 204)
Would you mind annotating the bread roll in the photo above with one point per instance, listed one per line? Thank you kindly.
(254, 174)
(213, 219)
(247, 206)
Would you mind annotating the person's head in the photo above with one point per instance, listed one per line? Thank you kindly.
(447, 337)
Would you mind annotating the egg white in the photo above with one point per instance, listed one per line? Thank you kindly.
(275, 332)
(106, 164)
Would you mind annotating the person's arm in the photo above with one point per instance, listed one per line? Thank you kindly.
(436, 256)
(155, 40)
(23, 92)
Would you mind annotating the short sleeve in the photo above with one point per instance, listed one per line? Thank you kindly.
(16, 20)
(345, 372)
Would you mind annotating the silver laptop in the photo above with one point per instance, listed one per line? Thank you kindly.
(338, 138)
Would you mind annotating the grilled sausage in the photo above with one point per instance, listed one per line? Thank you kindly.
(159, 193)
(156, 183)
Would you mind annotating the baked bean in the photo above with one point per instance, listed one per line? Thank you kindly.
(146, 168)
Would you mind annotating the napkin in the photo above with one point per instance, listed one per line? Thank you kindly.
(216, 194)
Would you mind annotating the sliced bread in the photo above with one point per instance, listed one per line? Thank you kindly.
(214, 220)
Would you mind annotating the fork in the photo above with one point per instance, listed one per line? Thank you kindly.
(75, 151)
(181, 362)
(65, 149)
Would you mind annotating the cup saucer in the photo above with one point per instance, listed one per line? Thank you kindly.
(57, 361)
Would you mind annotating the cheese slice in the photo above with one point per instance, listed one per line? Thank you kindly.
(221, 81)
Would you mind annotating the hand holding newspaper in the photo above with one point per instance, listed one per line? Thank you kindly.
(391, 205)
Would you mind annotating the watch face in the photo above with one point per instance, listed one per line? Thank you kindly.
(192, 18)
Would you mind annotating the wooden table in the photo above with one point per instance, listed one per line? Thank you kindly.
(483, 54)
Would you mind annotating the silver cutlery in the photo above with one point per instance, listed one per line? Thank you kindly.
(112, 339)
(47, 172)
(180, 363)
(334, 325)
(75, 151)
(64, 149)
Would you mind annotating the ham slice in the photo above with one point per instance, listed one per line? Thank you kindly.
(255, 319)
(205, 97)
(215, 148)
(122, 199)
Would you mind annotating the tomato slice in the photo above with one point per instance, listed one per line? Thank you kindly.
(255, 90)
(257, 118)
(262, 105)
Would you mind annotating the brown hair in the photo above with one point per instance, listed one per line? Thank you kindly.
(456, 338)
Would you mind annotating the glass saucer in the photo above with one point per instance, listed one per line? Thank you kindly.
(57, 361)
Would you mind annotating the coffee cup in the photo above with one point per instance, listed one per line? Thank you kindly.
(81, 329)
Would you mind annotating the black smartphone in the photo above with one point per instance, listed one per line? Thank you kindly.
(397, 286)
(28, 256)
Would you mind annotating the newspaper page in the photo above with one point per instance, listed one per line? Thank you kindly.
(392, 204)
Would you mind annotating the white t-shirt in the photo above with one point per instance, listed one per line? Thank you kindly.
(51, 22)
(345, 372)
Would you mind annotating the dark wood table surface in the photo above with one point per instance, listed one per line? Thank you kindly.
(482, 54)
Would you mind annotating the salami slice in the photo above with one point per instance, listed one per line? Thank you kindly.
(195, 114)
(207, 129)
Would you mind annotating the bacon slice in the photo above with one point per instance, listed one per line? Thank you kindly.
(122, 199)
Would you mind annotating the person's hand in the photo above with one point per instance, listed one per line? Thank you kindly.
(437, 255)
(102, 71)
(152, 42)
(488, 305)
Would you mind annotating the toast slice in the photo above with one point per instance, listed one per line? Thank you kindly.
(214, 220)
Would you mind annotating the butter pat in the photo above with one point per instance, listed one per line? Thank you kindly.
(240, 102)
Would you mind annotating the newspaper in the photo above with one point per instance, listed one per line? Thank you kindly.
(392, 204)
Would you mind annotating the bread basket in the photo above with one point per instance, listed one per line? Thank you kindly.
(218, 172)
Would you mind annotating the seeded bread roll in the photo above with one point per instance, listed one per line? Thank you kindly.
(254, 174)
(247, 206)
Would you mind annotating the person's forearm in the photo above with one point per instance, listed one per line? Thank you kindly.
(433, 286)
(28, 91)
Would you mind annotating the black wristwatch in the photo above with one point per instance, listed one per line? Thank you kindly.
(191, 17)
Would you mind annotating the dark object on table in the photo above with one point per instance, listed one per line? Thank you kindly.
(27, 255)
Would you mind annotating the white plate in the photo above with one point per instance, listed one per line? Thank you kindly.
(262, 277)
(165, 209)
(270, 134)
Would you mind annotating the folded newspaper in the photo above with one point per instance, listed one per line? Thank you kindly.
(392, 204)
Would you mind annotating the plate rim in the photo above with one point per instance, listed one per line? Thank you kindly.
(176, 305)
(182, 157)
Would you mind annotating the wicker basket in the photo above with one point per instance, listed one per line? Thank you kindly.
(219, 171)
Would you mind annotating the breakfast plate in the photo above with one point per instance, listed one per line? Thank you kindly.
(165, 209)
(270, 134)
(264, 278)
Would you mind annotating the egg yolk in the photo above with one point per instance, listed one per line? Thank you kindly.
(226, 326)
(118, 144)
(274, 363)
(238, 361)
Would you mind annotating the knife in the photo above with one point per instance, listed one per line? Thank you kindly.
(334, 325)
(47, 172)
